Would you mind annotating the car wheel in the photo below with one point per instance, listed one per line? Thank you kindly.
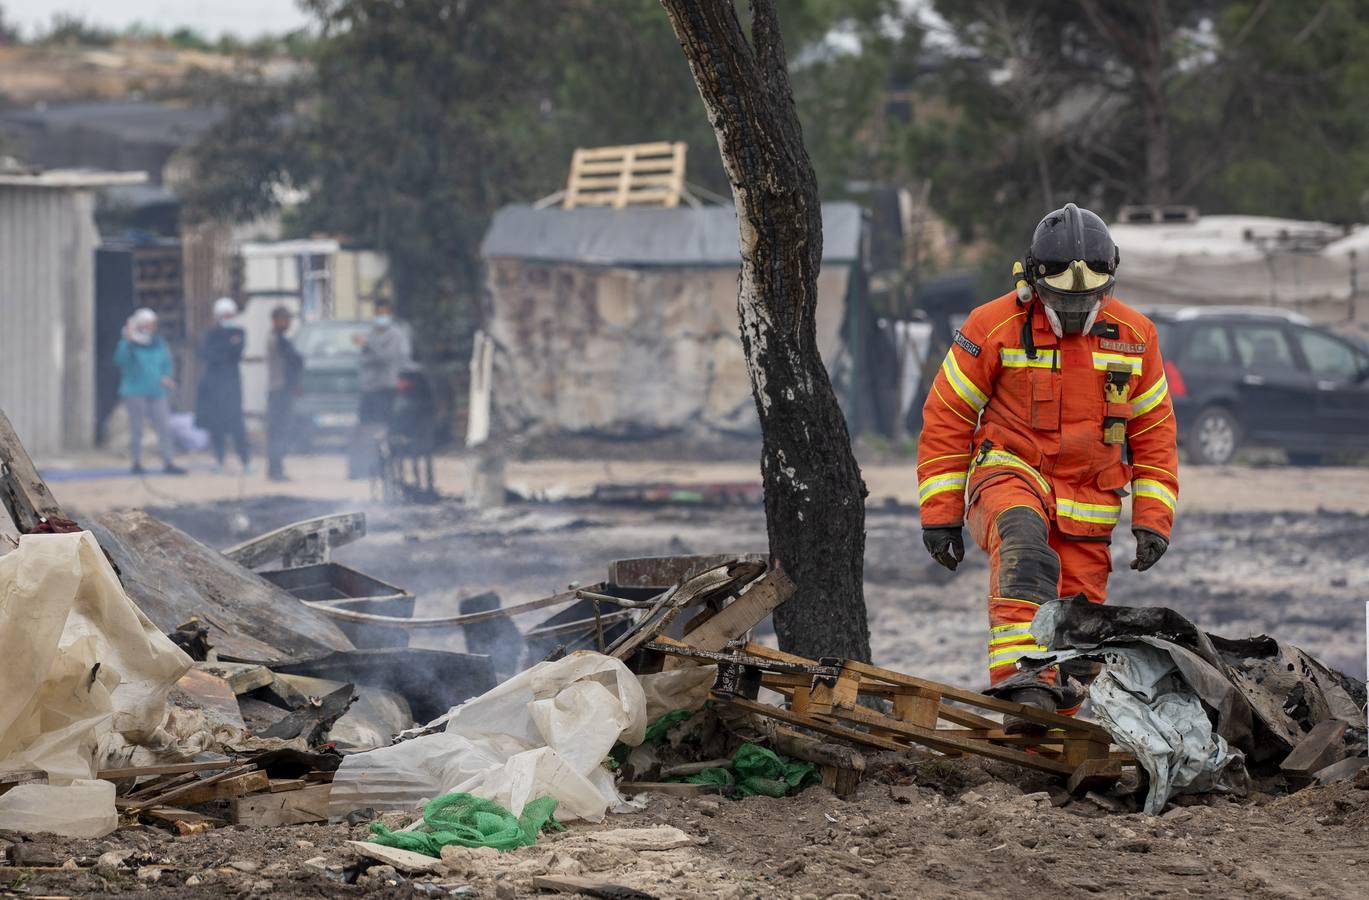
(1307, 459)
(1215, 436)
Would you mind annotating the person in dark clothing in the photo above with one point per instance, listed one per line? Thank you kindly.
(218, 401)
(284, 366)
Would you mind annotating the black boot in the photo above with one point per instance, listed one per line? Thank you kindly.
(1030, 696)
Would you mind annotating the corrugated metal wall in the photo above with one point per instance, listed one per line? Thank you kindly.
(47, 315)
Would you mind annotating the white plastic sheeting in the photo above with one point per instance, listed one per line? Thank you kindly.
(85, 680)
(544, 732)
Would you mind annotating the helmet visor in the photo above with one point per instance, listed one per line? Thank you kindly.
(1076, 276)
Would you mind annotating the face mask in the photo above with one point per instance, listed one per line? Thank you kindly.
(381, 321)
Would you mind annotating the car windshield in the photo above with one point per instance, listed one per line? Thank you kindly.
(330, 340)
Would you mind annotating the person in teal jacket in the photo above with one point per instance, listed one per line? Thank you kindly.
(145, 375)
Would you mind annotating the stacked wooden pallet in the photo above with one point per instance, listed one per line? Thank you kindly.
(630, 175)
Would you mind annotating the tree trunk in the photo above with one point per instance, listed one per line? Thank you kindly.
(1157, 137)
(814, 495)
(1152, 71)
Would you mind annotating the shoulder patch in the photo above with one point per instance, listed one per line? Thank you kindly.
(967, 345)
(1122, 346)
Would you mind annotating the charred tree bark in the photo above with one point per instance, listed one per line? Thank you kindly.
(814, 495)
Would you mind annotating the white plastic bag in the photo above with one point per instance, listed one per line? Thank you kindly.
(86, 675)
(544, 732)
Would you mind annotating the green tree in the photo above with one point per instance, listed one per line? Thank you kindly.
(1232, 106)
(414, 122)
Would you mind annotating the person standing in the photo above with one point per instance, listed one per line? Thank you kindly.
(218, 401)
(145, 376)
(283, 368)
(385, 351)
(1051, 403)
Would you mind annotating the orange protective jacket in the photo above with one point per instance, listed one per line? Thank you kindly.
(995, 412)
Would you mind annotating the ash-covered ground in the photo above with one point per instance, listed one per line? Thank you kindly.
(1301, 577)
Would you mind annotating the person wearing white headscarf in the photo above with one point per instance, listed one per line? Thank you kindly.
(218, 399)
(145, 376)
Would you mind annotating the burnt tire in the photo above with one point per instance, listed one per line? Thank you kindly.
(1215, 437)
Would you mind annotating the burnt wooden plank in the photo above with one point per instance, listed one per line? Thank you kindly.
(22, 490)
(744, 613)
(174, 578)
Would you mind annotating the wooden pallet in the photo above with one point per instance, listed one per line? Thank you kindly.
(835, 700)
(630, 175)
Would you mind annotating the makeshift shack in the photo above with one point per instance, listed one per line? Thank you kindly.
(623, 322)
(48, 239)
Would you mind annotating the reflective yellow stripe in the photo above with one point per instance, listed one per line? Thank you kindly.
(1163, 419)
(937, 484)
(1151, 398)
(1024, 638)
(1013, 654)
(1004, 322)
(1139, 336)
(1004, 458)
(1016, 358)
(1015, 627)
(1094, 513)
(1157, 469)
(1101, 361)
(950, 407)
(962, 384)
(947, 456)
(1016, 599)
(1149, 487)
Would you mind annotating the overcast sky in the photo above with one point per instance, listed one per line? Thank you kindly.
(245, 18)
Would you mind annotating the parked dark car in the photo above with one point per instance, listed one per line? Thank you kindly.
(1253, 377)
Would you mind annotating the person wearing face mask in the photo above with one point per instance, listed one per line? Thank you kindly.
(385, 351)
(145, 377)
(1050, 407)
(218, 401)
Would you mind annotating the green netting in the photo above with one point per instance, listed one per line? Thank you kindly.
(756, 770)
(657, 730)
(471, 822)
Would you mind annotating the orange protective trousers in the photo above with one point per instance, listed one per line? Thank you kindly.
(1030, 562)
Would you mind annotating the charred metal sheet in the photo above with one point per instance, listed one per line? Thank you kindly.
(305, 543)
(174, 578)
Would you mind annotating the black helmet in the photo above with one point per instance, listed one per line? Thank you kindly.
(1071, 265)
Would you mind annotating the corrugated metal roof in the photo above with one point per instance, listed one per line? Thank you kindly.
(71, 178)
(647, 236)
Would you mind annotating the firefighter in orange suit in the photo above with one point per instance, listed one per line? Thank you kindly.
(1050, 407)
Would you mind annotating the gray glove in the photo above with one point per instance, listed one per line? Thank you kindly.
(1149, 548)
(946, 543)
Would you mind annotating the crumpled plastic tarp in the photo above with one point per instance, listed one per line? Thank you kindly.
(85, 682)
(543, 733)
(1150, 697)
